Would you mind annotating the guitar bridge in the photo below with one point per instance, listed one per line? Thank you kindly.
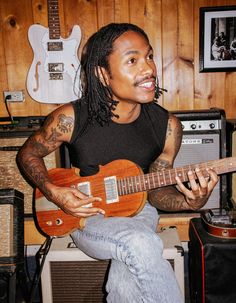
(111, 189)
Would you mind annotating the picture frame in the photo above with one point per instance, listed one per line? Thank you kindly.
(217, 52)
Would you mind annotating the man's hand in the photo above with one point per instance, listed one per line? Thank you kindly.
(199, 190)
(74, 203)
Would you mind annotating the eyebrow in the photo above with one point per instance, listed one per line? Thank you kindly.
(134, 52)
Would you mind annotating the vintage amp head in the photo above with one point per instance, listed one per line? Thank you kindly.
(204, 139)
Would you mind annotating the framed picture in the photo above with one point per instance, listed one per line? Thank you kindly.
(217, 39)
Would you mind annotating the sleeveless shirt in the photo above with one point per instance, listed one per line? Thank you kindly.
(140, 141)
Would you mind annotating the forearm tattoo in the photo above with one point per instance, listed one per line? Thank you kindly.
(31, 155)
(165, 198)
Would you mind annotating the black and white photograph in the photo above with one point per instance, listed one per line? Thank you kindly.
(217, 39)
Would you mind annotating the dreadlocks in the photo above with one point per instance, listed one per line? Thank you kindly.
(95, 55)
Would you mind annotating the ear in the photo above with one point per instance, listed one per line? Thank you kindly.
(102, 75)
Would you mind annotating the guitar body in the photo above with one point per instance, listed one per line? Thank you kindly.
(54, 222)
(53, 76)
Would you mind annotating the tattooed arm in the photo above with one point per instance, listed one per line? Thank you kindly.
(57, 129)
(181, 197)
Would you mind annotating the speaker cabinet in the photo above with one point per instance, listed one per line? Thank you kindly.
(71, 276)
(212, 263)
(12, 228)
(204, 139)
(12, 137)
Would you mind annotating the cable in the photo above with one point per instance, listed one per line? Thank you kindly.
(7, 108)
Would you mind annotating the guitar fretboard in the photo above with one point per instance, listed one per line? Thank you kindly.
(53, 19)
(163, 178)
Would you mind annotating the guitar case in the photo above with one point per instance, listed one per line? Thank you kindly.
(212, 266)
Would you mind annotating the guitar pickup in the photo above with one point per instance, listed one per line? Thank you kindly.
(55, 46)
(55, 67)
(55, 76)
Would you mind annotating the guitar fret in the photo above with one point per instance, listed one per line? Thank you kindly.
(136, 187)
(148, 181)
(53, 19)
(170, 177)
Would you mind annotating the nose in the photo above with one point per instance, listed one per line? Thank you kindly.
(147, 67)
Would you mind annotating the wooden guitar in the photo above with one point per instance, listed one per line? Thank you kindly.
(121, 185)
(220, 222)
(53, 76)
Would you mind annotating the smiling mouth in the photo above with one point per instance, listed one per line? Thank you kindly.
(147, 84)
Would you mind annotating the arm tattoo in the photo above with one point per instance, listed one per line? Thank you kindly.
(30, 157)
(176, 133)
(65, 123)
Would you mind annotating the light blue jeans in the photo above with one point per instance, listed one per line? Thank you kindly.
(138, 272)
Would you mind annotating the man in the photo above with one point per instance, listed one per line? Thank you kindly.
(233, 49)
(117, 118)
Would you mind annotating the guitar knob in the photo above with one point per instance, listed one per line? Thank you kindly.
(59, 222)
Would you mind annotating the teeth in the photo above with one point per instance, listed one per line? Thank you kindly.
(147, 84)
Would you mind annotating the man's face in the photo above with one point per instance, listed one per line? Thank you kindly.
(132, 69)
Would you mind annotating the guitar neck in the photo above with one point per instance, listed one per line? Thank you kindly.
(53, 19)
(167, 177)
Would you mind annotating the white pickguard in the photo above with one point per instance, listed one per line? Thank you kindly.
(39, 84)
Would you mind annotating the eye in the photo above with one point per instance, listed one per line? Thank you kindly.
(131, 61)
(150, 56)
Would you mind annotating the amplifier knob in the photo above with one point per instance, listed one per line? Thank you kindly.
(193, 126)
(212, 125)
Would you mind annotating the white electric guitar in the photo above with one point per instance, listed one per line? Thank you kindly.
(54, 73)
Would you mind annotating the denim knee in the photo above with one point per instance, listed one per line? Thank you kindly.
(142, 251)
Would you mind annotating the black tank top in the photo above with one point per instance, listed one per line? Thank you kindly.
(140, 141)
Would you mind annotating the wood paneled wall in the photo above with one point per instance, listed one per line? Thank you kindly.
(173, 28)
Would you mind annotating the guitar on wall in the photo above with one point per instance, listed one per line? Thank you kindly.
(53, 76)
(122, 186)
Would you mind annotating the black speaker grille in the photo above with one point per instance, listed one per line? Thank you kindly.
(72, 282)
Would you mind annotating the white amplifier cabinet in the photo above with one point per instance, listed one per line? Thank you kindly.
(70, 276)
(204, 139)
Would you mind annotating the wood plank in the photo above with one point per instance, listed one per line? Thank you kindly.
(84, 14)
(122, 11)
(105, 12)
(170, 53)
(185, 55)
(153, 28)
(3, 72)
(17, 19)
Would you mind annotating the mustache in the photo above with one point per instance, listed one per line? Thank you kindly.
(136, 83)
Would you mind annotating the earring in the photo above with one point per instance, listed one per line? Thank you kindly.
(158, 90)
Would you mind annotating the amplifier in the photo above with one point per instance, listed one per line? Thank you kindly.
(71, 276)
(212, 262)
(204, 139)
(12, 228)
(12, 137)
(231, 149)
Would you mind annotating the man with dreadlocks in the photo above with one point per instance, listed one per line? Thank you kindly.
(118, 118)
